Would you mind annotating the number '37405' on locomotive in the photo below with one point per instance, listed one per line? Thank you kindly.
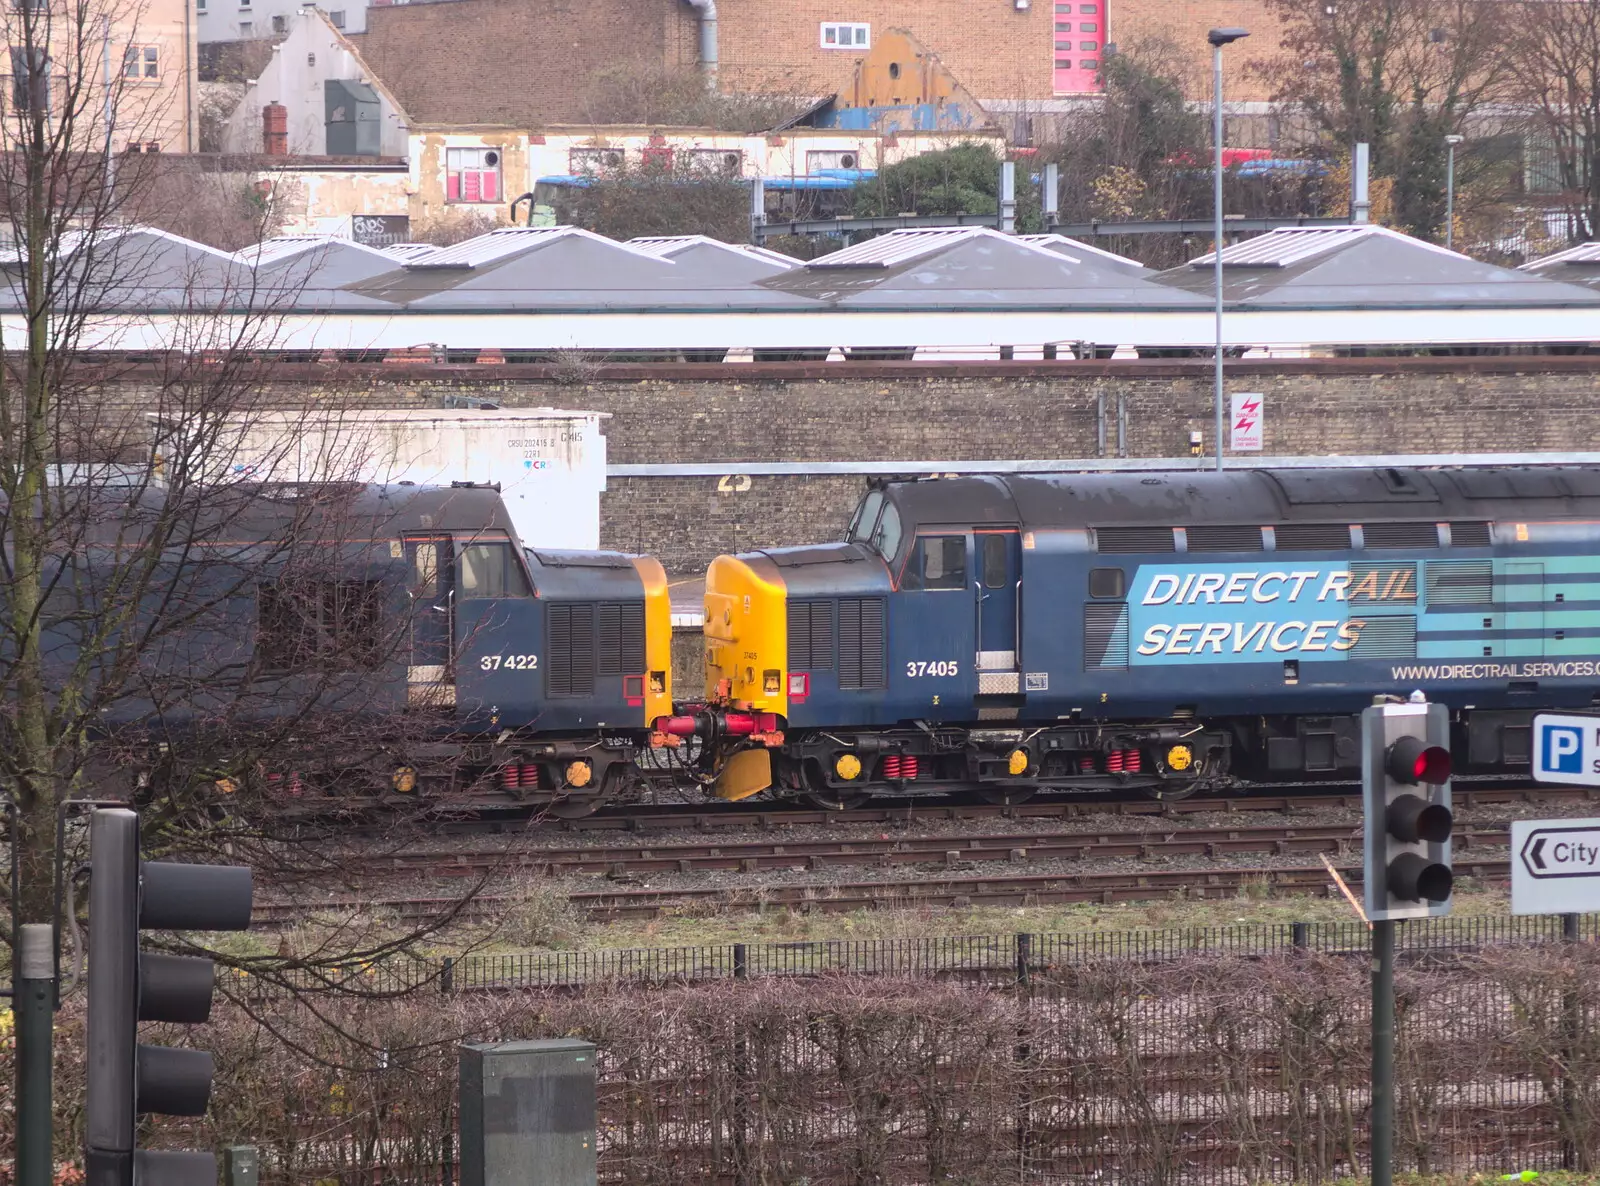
(1171, 631)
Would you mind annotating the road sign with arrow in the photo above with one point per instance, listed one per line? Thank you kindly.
(1555, 866)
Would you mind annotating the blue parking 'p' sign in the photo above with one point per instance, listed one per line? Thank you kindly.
(1566, 748)
(1563, 750)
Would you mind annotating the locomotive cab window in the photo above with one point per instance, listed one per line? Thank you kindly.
(937, 562)
(1107, 582)
(491, 570)
(866, 518)
(886, 539)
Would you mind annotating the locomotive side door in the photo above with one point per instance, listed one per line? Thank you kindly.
(430, 672)
(997, 586)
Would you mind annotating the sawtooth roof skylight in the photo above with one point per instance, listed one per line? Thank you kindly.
(281, 247)
(1057, 242)
(1291, 245)
(1583, 253)
(898, 247)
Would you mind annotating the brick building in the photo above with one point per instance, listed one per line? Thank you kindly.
(505, 62)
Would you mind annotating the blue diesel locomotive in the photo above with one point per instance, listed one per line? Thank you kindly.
(457, 664)
(1168, 631)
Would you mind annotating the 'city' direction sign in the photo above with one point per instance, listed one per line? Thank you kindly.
(1566, 749)
(1555, 866)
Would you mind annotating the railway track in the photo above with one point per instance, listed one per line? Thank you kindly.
(1030, 889)
(714, 817)
(758, 856)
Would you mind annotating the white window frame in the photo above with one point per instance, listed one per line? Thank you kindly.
(456, 160)
(848, 35)
(141, 63)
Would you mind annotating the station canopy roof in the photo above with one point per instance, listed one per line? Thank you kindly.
(130, 267)
(972, 267)
(532, 268)
(1363, 267)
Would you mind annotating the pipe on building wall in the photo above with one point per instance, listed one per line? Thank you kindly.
(708, 38)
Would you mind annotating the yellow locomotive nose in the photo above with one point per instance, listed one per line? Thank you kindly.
(747, 634)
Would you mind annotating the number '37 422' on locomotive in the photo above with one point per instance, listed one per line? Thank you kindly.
(1169, 631)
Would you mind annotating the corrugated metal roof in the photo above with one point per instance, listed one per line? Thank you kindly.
(409, 250)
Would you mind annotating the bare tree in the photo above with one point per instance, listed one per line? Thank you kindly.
(1554, 53)
(1399, 75)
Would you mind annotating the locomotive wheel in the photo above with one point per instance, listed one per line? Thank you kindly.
(1007, 796)
(1171, 792)
(576, 803)
(837, 800)
(820, 794)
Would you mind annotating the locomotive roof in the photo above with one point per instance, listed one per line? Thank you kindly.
(1250, 496)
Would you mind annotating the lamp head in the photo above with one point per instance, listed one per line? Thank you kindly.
(1221, 37)
(1454, 140)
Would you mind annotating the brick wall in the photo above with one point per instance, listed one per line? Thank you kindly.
(992, 48)
(932, 412)
(521, 65)
(515, 63)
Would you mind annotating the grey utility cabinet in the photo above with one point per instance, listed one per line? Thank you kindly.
(528, 1113)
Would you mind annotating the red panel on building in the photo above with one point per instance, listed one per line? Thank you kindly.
(1079, 32)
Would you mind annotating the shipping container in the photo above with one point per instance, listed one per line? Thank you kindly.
(550, 463)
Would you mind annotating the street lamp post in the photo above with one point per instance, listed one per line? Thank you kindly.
(1218, 39)
(1450, 143)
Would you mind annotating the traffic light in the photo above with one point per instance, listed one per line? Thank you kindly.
(1405, 782)
(127, 986)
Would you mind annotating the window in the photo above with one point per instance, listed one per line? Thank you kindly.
(490, 570)
(593, 160)
(326, 625)
(280, 24)
(937, 562)
(336, 18)
(866, 518)
(840, 35)
(717, 162)
(246, 29)
(30, 79)
(199, 5)
(472, 174)
(993, 551)
(886, 539)
(141, 62)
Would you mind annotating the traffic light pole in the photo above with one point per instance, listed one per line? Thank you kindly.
(34, 1005)
(1382, 1122)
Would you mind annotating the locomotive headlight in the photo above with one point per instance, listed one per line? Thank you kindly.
(847, 766)
(1180, 757)
(1018, 763)
(771, 681)
(579, 773)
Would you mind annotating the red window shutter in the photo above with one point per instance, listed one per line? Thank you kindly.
(452, 187)
(491, 186)
(470, 187)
